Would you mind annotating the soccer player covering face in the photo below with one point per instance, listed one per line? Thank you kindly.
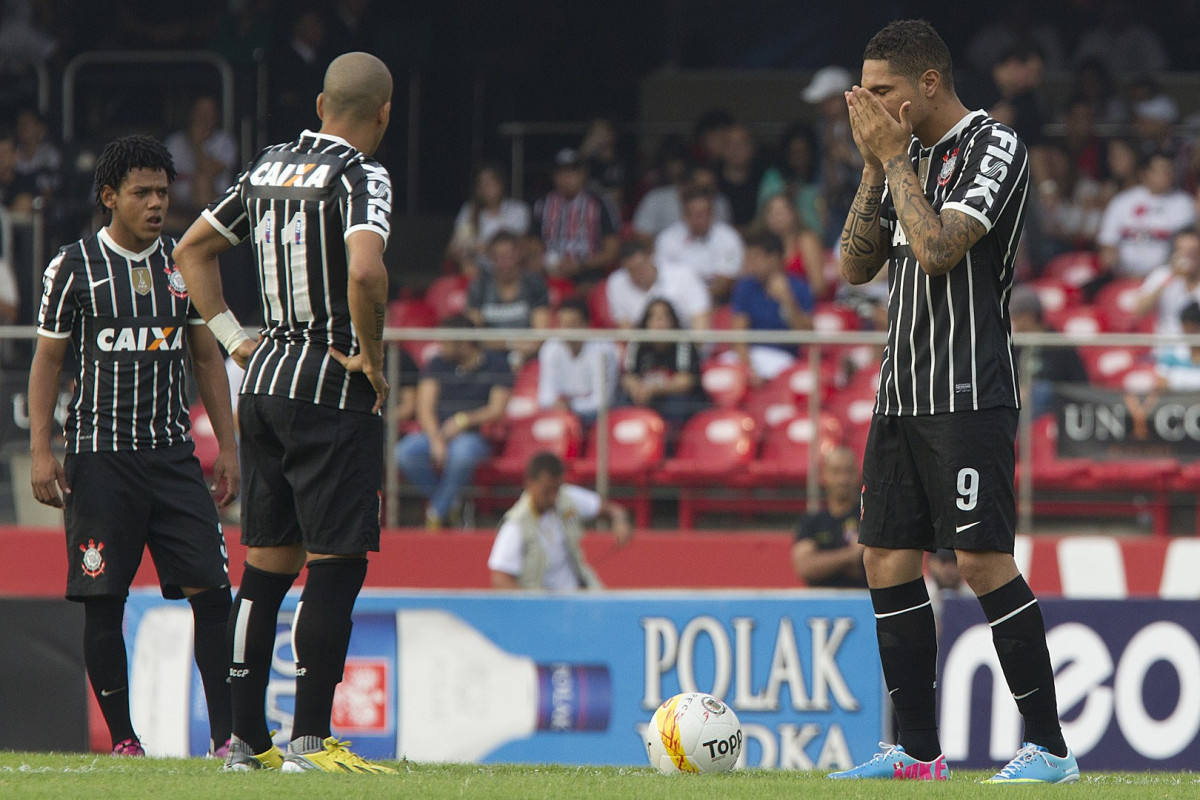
(130, 478)
(317, 211)
(943, 202)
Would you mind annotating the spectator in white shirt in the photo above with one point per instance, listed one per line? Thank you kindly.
(487, 213)
(711, 249)
(662, 206)
(1179, 370)
(538, 544)
(639, 280)
(1136, 230)
(573, 375)
(1174, 285)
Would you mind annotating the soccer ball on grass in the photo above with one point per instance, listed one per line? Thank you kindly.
(693, 732)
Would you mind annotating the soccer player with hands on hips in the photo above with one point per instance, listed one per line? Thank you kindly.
(130, 478)
(943, 201)
(317, 210)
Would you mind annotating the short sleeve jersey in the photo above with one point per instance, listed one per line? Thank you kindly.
(126, 314)
(949, 344)
(297, 203)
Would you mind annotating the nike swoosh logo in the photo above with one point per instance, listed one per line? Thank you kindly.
(1023, 696)
(961, 528)
(110, 692)
(94, 284)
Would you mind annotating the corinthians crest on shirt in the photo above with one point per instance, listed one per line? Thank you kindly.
(93, 558)
(949, 162)
(175, 281)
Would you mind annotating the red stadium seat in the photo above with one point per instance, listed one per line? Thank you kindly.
(834, 318)
(773, 403)
(204, 438)
(522, 400)
(725, 383)
(786, 451)
(1074, 269)
(559, 289)
(1117, 301)
(414, 314)
(1055, 295)
(721, 320)
(1107, 366)
(597, 304)
(854, 403)
(636, 445)
(552, 430)
(1049, 471)
(715, 447)
(1080, 320)
(447, 295)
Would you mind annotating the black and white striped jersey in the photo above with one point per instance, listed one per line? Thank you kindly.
(297, 203)
(949, 342)
(127, 314)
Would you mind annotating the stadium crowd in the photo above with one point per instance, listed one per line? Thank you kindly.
(722, 229)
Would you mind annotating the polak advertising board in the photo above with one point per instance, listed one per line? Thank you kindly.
(543, 678)
(1127, 681)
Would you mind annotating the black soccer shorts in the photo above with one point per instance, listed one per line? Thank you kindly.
(122, 502)
(311, 475)
(941, 481)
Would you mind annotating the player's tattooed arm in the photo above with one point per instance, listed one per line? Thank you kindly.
(380, 319)
(863, 250)
(938, 241)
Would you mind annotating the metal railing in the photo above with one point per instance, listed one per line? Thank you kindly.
(813, 341)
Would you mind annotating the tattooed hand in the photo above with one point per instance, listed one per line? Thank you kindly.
(875, 127)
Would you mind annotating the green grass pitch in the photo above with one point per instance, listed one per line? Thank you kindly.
(49, 776)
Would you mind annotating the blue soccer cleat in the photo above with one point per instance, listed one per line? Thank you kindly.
(895, 764)
(1035, 764)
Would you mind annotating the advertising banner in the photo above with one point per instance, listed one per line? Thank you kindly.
(482, 677)
(1101, 424)
(1127, 681)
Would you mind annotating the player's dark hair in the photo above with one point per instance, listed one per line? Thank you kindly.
(121, 156)
(911, 47)
(544, 463)
(767, 241)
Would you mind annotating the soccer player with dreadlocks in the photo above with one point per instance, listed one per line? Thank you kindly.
(130, 478)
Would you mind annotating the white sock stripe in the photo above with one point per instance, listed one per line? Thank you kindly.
(239, 630)
(295, 619)
(1012, 614)
(903, 610)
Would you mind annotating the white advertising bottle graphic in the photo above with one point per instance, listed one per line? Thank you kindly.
(445, 691)
(461, 696)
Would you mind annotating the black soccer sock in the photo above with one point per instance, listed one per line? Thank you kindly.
(1020, 638)
(908, 651)
(321, 632)
(210, 646)
(251, 629)
(107, 666)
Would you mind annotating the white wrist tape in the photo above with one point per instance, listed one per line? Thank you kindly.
(228, 330)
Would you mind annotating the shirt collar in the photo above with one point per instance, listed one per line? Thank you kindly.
(329, 136)
(960, 126)
(111, 244)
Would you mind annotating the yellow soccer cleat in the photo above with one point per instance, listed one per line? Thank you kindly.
(336, 757)
(242, 759)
